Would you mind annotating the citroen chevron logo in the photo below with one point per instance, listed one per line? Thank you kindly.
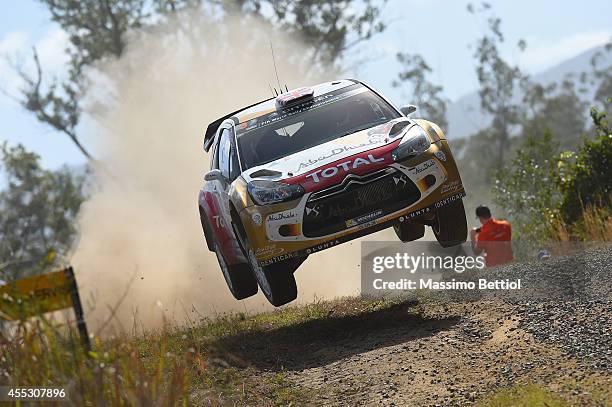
(309, 210)
(398, 180)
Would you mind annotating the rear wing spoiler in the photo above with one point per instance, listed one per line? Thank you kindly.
(212, 128)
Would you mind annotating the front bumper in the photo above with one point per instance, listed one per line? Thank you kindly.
(358, 206)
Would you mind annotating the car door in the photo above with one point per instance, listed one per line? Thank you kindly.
(225, 160)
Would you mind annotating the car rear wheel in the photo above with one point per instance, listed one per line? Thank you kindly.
(409, 231)
(239, 279)
(449, 225)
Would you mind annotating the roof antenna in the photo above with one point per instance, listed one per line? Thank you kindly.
(270, 86)
(275, 70)
(286, 88)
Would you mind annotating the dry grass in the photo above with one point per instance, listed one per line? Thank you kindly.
(595, 225)
(195, 365)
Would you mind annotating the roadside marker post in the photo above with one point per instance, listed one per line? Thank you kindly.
(78, 309)
(32, 296)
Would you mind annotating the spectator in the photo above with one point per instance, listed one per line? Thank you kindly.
(494, 238)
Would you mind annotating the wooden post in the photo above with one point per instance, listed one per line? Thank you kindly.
(78, 309)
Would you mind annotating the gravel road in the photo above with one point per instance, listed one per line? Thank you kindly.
(451, 349)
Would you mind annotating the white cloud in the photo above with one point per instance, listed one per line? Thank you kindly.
(541, 55)
(10, 46)
(16, 51)
(51, 50)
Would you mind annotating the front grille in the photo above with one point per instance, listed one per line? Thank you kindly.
(355, 198)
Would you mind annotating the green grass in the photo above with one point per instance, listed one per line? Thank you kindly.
(523, 396)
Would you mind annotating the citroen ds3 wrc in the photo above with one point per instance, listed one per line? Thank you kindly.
(313, 168)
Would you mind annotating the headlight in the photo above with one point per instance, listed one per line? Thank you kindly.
(414, 142)
(268, 192)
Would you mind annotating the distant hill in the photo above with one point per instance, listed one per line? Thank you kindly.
(465, 117)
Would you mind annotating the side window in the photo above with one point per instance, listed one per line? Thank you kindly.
(224, 152)
(214, 162)
(234, 164)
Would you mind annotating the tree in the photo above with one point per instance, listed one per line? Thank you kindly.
(601, 76)
(100, 29)
(586, 176)
(556, 109)
(97, 30)
(497, 80)
(527, 190)
(37, 213)
(423, 93)
(543, 188)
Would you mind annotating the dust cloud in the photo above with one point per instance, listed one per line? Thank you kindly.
(141, 253)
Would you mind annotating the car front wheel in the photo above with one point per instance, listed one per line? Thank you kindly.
(449, 225)
(276, 280)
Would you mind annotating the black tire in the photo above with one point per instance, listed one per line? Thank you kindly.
(409, 231)
(239, 278)
(449, 225)
(276, 280)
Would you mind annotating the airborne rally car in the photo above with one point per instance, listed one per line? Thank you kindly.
(316, 167)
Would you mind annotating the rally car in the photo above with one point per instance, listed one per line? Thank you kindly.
(315, 167)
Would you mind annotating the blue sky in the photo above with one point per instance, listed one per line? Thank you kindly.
(440, 30)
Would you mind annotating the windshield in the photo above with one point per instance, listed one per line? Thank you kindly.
(329, 116)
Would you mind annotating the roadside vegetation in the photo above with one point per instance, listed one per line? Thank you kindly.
(200, 364)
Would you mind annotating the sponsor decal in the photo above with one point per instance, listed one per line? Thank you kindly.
(422, 167)
(276, 259)
(256, 217)
(430, 208)
(337, 151)
(364, 218)
(281, 216)
(344, 166)
(269, 250)
(415, 214)
(448, 200)
(219, 222)
(322, 246)
(367, 225)
(450, 187)
(440, 155)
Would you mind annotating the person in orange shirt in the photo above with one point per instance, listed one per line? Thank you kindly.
(494, 238)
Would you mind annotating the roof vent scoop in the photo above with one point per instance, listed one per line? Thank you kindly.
(293, 97)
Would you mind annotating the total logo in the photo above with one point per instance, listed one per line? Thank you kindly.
(345, 166)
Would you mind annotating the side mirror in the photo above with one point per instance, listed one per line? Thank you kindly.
(214, 175)
(408, 109)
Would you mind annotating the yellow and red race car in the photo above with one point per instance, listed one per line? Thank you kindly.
(313, 168)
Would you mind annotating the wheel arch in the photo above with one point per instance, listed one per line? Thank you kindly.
(208, 235)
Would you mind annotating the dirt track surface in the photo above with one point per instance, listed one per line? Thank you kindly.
(453, 349)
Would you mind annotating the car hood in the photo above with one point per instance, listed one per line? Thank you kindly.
(321, 155)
